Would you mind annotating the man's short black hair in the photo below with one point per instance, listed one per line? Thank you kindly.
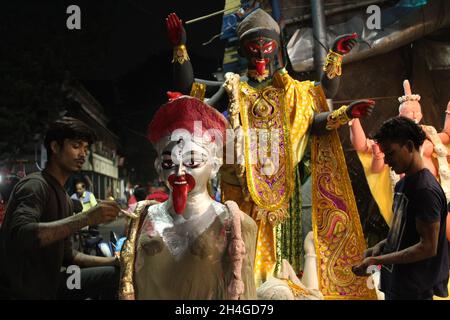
(67, 128)
(80, 182)
(400, 130)
(140, 193)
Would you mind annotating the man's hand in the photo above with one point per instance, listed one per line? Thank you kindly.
(175, 30)
(50, 232)
(375, 250)
(360, 108)
(345, 43)
(369, 258)
(105, 211)
(361, 269)
(368, 253)
(116, 262)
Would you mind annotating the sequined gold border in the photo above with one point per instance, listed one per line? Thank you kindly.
(338, 236)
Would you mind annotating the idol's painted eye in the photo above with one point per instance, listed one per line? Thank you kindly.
(194, 160)
(192, 164)
(252, 48)
(269, 49)
(167, 164)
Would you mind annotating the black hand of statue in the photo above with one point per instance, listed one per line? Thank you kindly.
(345, 43)
(175, 30)
(360, 108)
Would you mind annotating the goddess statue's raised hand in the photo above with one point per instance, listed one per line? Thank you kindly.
(175, 30)
(360, 108)
(345, 43)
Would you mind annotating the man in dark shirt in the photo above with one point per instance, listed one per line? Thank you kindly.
(35, 235)
(414, 257)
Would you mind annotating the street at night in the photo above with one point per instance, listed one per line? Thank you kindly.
(237, 149)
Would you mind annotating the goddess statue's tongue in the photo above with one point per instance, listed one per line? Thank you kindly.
(260, 66)
(181, 185)
(180, 198)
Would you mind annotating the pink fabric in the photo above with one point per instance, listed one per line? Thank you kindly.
(236, 250)
(132, 200)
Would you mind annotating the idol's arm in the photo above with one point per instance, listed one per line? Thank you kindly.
(330, 86)
(358, 137)
(325, 121)
(183, 73)
(445, 134)
(377, 159)
(333, 66)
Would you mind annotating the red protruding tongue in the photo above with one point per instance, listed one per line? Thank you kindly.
(260, 67)
(180, 191)
(179, 197)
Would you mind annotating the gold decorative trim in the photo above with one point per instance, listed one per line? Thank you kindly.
(180, 54)
(333, 64)
(198, 90)
(297, 291)
(255, 75)
(337, 118)
(128, 253)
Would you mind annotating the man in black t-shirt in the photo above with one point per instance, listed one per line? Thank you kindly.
(35, 235)
(414, 257)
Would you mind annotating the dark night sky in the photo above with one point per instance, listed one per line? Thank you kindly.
(120, 34)
(121, 54)
(133, 31)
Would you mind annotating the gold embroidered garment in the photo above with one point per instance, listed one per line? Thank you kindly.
(275, 121)
(338, 236)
